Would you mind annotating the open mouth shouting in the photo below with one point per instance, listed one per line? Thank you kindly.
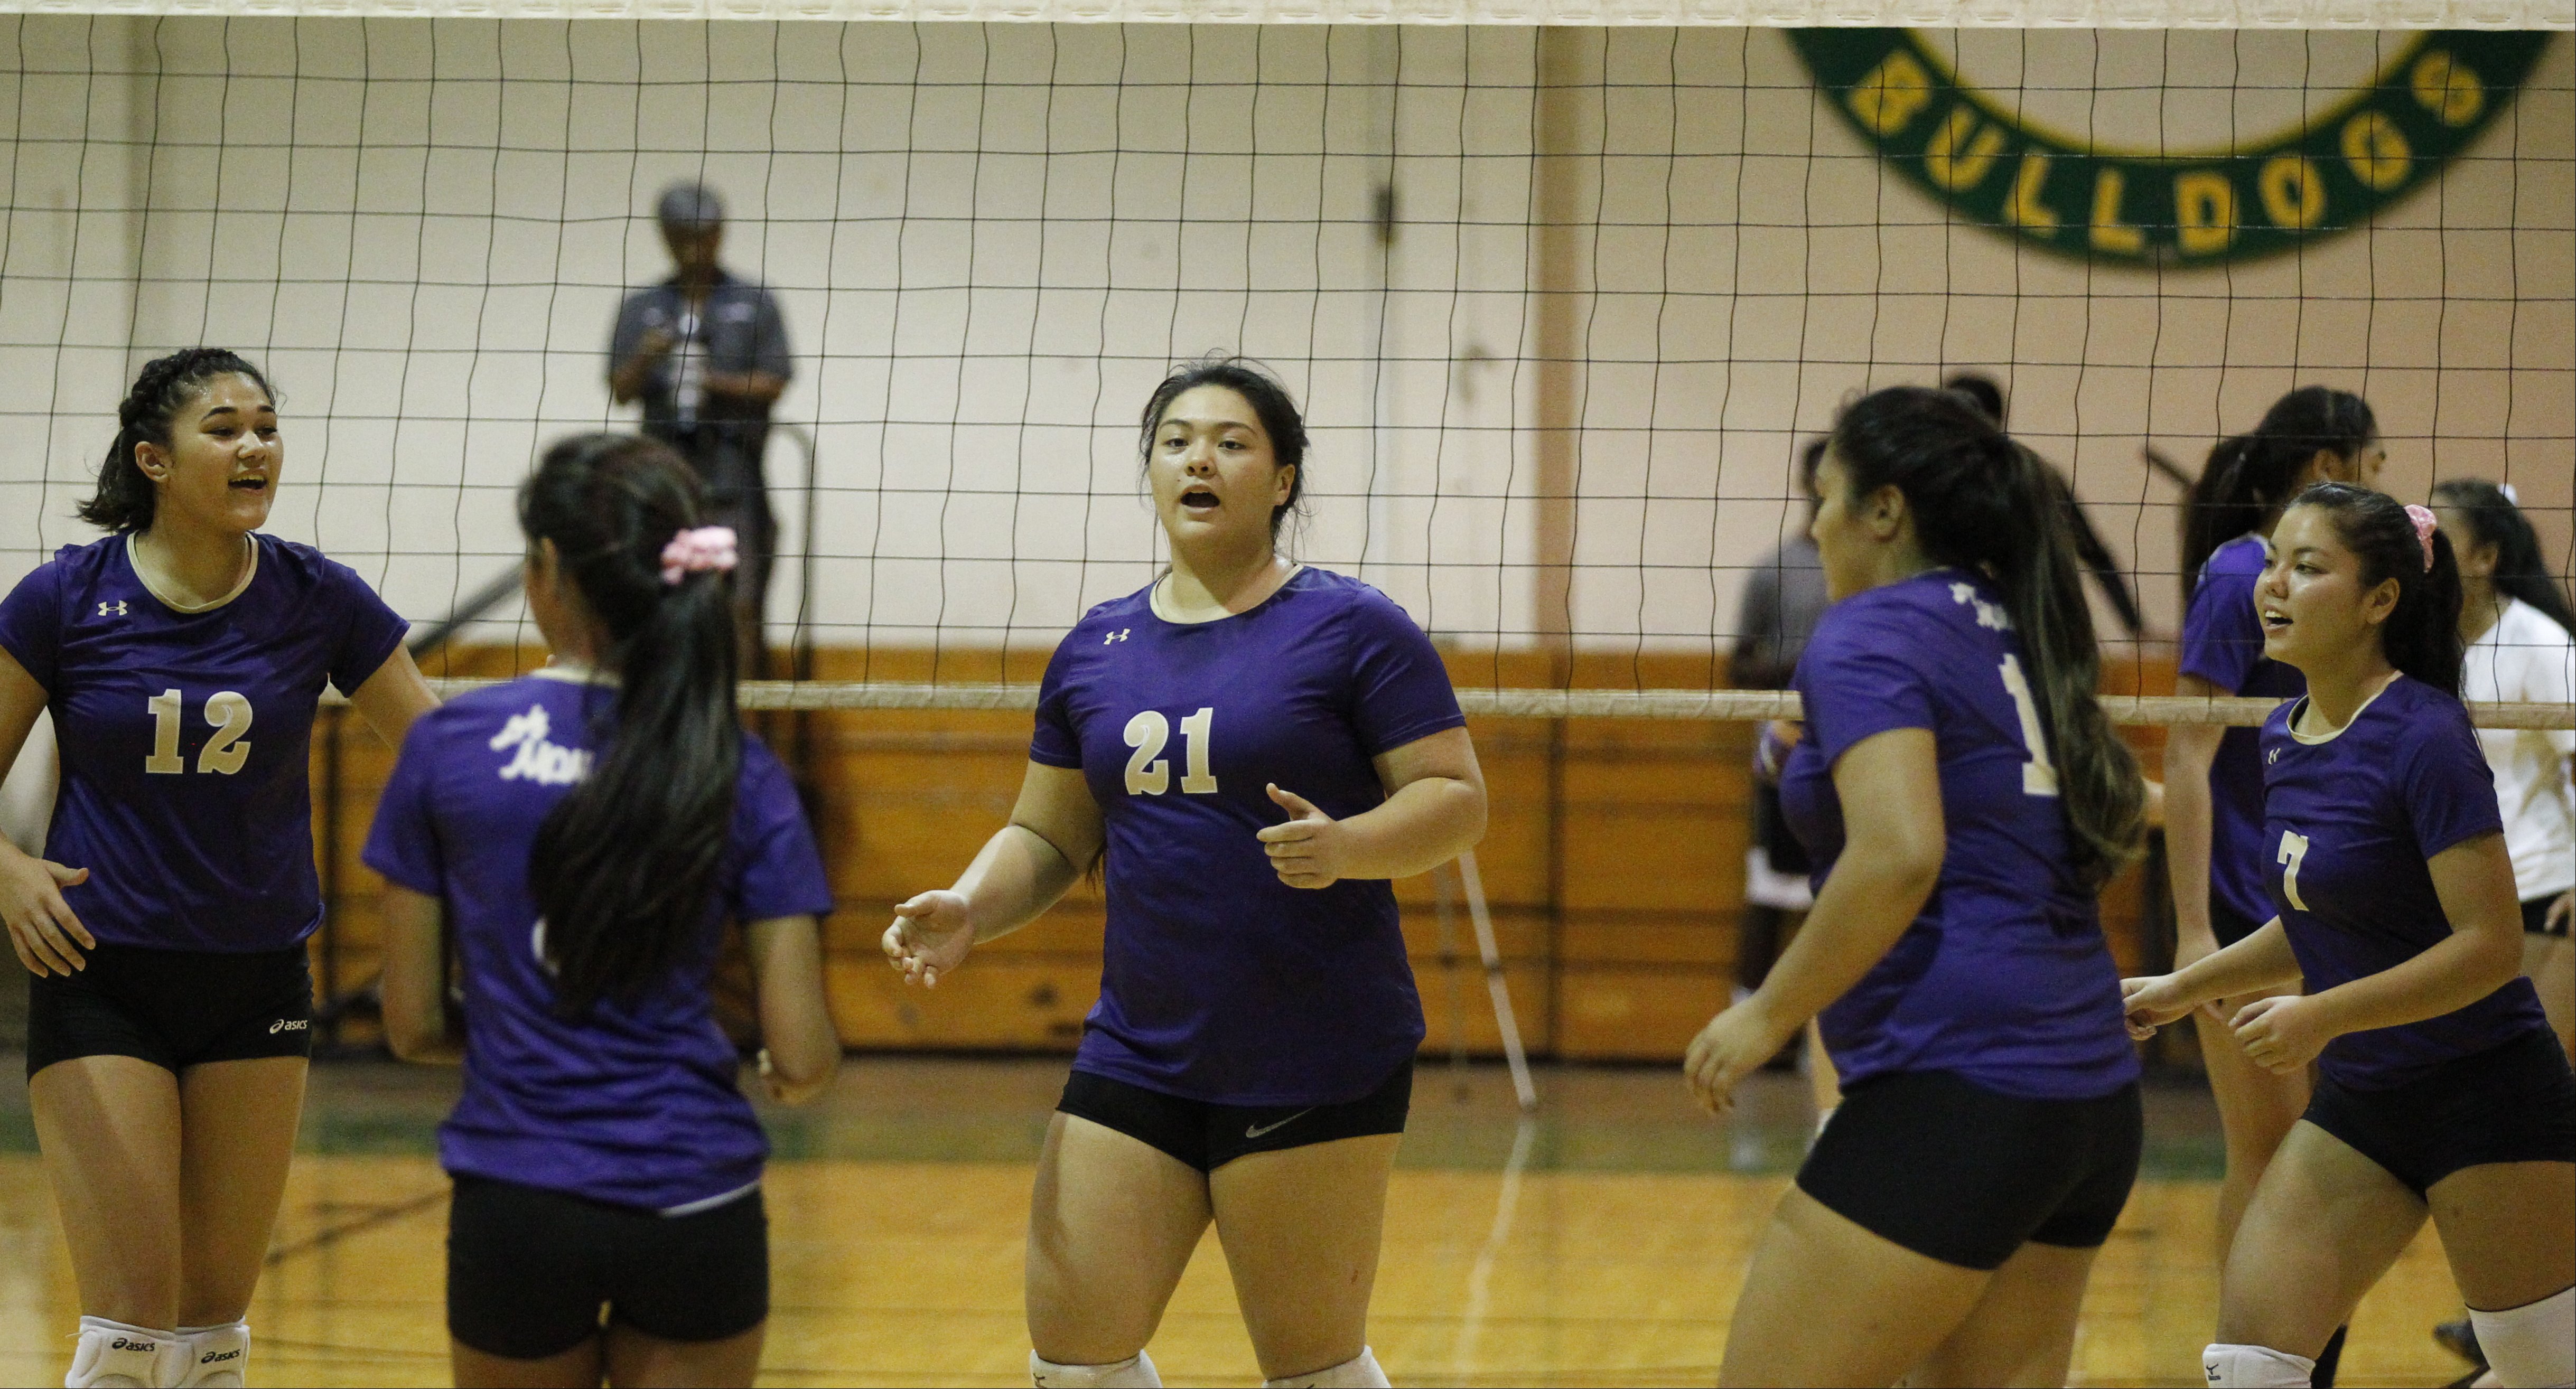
(1200, 499)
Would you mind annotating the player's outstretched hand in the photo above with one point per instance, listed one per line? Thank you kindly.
(1307, 850)
(930, 937)
(2281, 1034)
(1734, 1045)
(2151, 1001)
(43, 929)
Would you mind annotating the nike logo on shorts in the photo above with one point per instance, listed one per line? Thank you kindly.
(1256, 1130)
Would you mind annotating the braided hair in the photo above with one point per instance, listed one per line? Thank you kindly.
(125, 498)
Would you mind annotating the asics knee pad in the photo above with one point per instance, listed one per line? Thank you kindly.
(218, 1356)
(1358, 1372)
(2532, 1346)
(2255, 1367)
(113, 1355)
(1134, 1372)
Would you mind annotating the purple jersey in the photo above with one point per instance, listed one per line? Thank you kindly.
(635, 1104)
(1219, 982)
(187, 737)
(2004, 978)
(2222, 643)
(2351, 818)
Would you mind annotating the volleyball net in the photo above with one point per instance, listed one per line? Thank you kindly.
(1562, 289)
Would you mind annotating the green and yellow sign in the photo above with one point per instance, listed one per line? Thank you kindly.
(2337, 171)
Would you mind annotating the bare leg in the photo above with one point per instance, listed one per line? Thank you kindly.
(2325, 1224)
(2255, 1110)
(1112, 1225)
(577, 1368)
(2022, 1331)
(109, 1128)
(2509, 1229)
(2551, 963)
(638, 1361)
(237, 1132)
(1827, 1302)
(1301, 1231)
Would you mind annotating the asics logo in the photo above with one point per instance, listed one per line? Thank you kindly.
(115, 609)
(287, 1025)
(214, 1357)
(1256, 1130)
(121, 1343)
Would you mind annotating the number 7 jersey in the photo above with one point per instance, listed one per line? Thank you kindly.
(1219, 982)
(186, 737)
(2349, 820)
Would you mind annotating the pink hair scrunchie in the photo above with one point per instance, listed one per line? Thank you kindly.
(708, 548)
(2425, 524)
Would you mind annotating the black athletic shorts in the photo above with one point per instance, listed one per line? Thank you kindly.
(2511, 1103)
(533, 1273)
(173, 1008)
(1967, 1175)
(1208, 1136)
(2230, 925)
(2535, 916)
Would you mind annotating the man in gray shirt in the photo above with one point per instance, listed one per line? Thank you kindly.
(706, 353)
(1783, 596)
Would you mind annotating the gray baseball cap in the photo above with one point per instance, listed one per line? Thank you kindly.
(690, 207)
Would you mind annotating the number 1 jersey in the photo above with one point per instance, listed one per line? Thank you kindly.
(1219, 982)
(2004, 977)
(187, 737)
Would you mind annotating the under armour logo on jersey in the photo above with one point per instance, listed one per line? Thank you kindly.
(1119, 635)
(1988, 614)
(2271, 756)
(115, 609)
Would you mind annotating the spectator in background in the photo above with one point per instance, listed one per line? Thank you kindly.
(706, 353)
(1783, 597)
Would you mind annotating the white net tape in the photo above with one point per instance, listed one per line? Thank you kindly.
(2004, 14)
(1735, 705)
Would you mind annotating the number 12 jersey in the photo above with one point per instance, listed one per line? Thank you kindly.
(187, 737)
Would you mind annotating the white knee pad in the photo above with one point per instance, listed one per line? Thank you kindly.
(217, 1356)
(1134, 1372)
(1358, 1372)
(2255, 1367)
(2532, 1346)
(113, 1355)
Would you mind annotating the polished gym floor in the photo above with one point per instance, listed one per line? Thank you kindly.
(1599, 1242)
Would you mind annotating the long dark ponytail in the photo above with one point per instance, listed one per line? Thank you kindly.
(624, 867)
(2422, 635)
(2250, 477)
(125, 500)
(1981, 501)
(2521, 571)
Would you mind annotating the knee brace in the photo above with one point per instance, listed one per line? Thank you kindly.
(113, 1355)
(217, 1355)
(2255, 1367)
(1358, 1372)
(2532, 1346)
(1134, 1372)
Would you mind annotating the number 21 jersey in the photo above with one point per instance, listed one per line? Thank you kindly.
(1219, 982)
(187, 737)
